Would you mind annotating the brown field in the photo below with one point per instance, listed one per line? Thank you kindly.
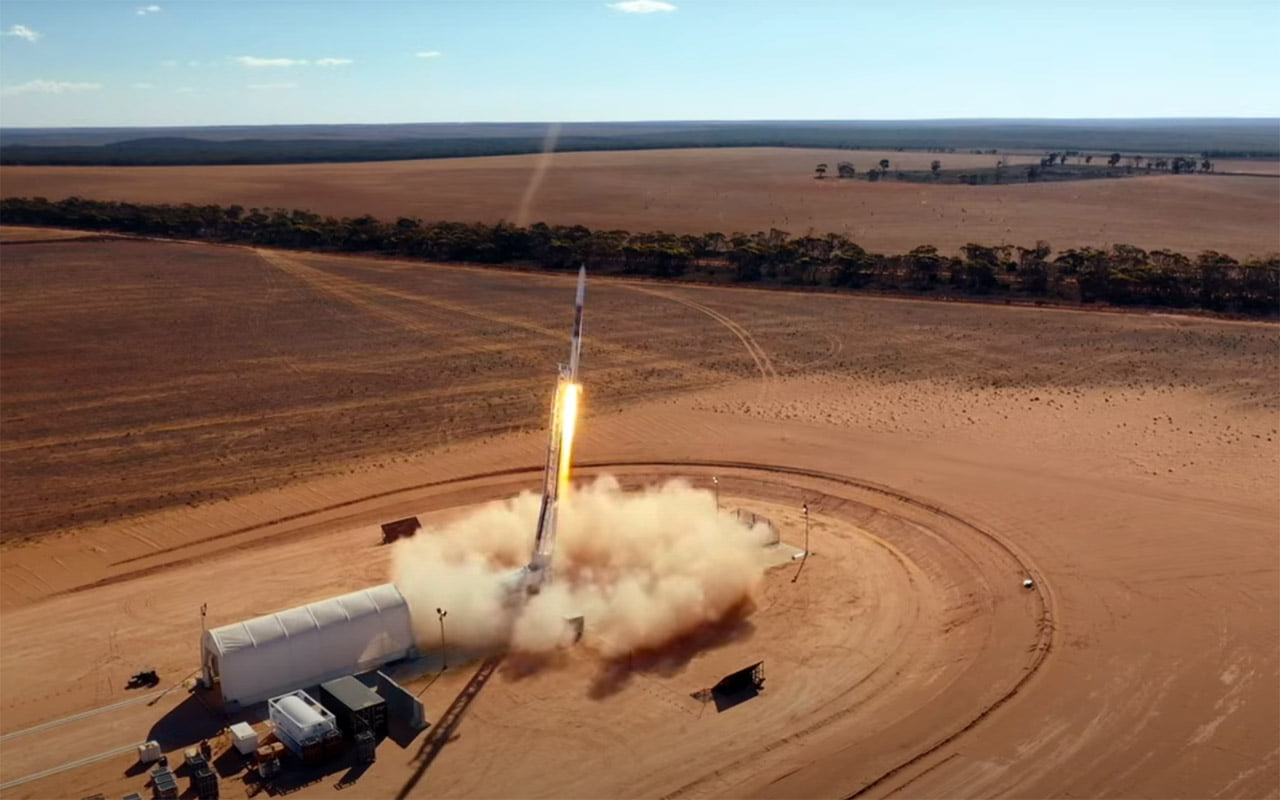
(1248, 166)
(19, 234)
(187, 424)
(726, 190)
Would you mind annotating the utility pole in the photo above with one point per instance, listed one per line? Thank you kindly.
(444, 657)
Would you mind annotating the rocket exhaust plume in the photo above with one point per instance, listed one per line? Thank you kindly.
(643, 568)
(569, 417)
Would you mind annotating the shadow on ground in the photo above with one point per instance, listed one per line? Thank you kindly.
(672, 658)
(445, 728)
(186, 725)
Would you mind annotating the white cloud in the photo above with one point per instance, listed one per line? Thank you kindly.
(23, 32)
(50, 87)
(145, 10)
(271, 86)
(254, 61)
(332, 62)
(641, 6)
(184, 90)
(169, 62)
(428, 54)
(144, 86)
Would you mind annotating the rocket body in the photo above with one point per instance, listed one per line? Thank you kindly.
(575, 342)
(559, 445)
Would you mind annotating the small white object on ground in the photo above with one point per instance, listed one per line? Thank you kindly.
(244, 737)
(149, 752)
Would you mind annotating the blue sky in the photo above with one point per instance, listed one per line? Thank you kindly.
(211, 62)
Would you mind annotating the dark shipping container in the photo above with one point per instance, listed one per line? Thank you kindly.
(356, 707)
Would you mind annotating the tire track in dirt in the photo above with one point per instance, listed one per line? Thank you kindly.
(358, 294)
(342, 289)
(362, 296)
(439, 394)
(768, 374)
(624, 354)
(835, 345)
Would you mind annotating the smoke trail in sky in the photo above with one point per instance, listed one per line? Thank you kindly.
(539, 171)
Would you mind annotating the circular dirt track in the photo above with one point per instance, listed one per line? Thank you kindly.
(906, 627)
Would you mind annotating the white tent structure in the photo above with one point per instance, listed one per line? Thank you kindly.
(277, 653)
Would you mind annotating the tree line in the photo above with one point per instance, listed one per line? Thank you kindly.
(1052, 167)
(1121, 275)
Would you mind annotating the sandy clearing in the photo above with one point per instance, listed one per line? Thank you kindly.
(726, 190)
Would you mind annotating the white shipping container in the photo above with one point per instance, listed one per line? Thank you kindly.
(299, 720)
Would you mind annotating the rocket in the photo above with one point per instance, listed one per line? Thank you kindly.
(564, 412)
(575, 341)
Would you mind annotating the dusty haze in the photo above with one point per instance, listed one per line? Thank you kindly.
(642, 568)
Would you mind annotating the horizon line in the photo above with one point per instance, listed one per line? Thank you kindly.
(915, 120)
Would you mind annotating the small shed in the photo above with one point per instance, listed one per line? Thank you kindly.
(400, 529)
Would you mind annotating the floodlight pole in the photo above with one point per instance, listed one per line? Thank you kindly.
(715, 481)
(805, 556)
(806, 530)
(204, 675)
(444, 657)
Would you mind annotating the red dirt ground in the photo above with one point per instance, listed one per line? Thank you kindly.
(1128, 462)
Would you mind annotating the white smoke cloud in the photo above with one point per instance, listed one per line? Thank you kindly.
(642, 568)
